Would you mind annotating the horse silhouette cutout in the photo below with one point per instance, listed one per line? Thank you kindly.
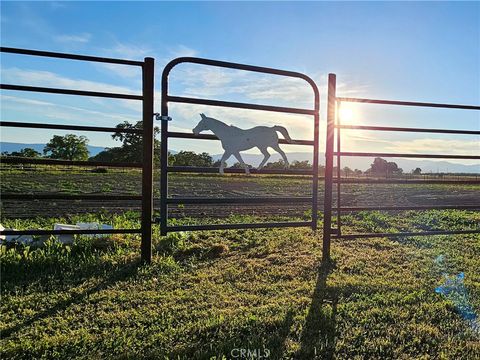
(234, 140)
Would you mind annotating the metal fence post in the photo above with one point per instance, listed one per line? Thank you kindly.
(316, 135)
(164, 154)
(327, 214)
(148, 156)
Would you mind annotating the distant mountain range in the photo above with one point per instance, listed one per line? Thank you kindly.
(254, 159)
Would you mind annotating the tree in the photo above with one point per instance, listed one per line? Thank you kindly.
(358, 172)
(393, 168)
(189, 158)
(300, 165)
(68, 147)
(417, 171)
(381, 166)
(280, 164)
(25, 152)
(347, 171)
(237, 165)
(132, 145)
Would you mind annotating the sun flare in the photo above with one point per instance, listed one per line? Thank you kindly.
(346, 114)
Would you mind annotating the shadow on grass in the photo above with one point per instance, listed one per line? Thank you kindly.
(318, 335)
(114, 276)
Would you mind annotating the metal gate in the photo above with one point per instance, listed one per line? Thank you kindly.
(333, 125)
(146, 165)
(166, 134)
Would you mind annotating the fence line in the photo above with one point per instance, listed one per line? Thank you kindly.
(146, 165)
(334, 127)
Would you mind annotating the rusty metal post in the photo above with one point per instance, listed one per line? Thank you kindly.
(327, 212)
(147, 169)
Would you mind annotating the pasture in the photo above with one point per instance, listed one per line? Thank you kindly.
(207, 294)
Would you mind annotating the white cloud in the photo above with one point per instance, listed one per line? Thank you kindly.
(436, 146)
(348, 90)
(224, 84)
(78, 38)
(65, 113)
(209, 82)
(187, 116)
(132, 73)
(50, 79)
(411, 146)
(108, 108)
(129, 51)
(182, 50)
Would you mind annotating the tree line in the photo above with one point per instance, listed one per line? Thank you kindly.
(74, 147)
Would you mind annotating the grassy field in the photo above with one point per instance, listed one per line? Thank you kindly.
(241, 294)
(208, 295)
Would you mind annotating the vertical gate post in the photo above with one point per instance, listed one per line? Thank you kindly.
(316, 135)
(148, 148)
(164, 153)
(327, 220)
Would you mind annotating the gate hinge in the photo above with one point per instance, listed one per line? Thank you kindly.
(162, 117)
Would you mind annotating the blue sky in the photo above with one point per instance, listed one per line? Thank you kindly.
(421, 51)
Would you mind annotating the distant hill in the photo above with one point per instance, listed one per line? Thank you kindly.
(364, 163)
(11, 146)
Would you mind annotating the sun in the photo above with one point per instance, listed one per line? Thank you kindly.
(346, 114)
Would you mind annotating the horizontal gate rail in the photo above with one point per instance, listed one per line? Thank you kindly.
(240, 226)
(69, 197)
(398, 208)
(405, 181)
(408, 103)
(69, 127)
(70, 92)
(147, 68)
(334, 124)
(165, 169)
(71, 232)
(213, 137)
(405, 234)
(420, 130)
(214, 170)
(238, 105)
(250, 200)
(70, 56)
(423, 156)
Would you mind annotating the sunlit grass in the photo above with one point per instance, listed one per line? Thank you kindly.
(206, 293)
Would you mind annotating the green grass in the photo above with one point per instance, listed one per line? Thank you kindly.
(207, 293)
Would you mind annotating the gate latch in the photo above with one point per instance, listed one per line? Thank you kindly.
(160, 117)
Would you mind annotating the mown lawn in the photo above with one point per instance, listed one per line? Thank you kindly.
(208, 295)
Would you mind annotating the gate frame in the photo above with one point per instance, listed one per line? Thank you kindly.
(333, 123)
(165, 134)
(146, 165)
